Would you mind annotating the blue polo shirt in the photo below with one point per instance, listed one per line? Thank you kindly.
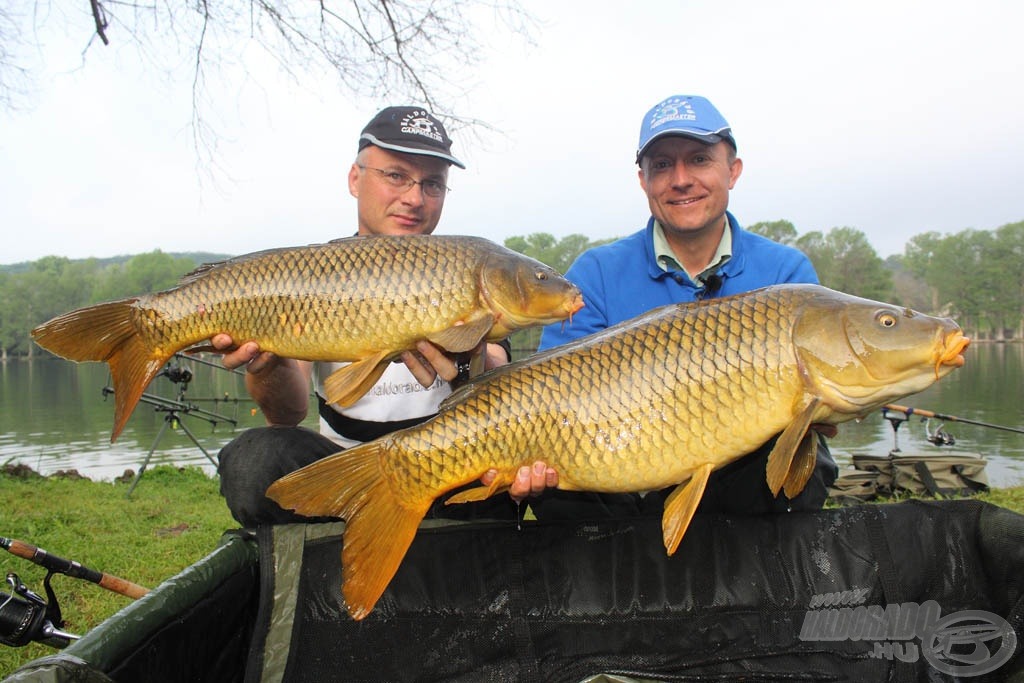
(623, 279)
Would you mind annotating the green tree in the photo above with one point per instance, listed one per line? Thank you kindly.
(846, 261)
(557, 253)
(1008, 262)
(781, 231)
(151, 272)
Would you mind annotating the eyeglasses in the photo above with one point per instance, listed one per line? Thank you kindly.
(403, 181)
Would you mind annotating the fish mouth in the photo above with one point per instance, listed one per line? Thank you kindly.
(953, 346)
(574, 306)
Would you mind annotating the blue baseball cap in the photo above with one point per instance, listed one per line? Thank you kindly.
(689, 116)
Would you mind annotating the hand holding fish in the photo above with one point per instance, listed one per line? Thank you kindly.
(279, 386)
(530, 481)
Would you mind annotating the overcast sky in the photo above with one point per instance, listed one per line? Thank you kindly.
(894, 118)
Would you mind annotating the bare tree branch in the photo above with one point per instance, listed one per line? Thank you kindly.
(100, 17)
(418, 51)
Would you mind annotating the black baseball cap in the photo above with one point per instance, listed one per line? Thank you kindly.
(410, 130)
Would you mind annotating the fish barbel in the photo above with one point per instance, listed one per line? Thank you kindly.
(359, 299)
(660, 400)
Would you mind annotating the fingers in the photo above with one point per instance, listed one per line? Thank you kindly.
(532, 481)
(428, 363)
(247, 354)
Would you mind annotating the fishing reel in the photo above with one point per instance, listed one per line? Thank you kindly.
(177, 374)
(940, 437)
(26, 617)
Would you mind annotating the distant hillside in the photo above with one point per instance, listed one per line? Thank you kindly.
(198, 257)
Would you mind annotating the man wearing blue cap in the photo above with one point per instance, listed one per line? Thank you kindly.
(692, 248)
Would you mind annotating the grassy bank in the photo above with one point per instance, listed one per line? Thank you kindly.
(173, 518)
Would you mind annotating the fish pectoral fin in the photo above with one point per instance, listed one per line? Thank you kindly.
(681, 505)
(780, 460)
(458, 338)
(803, 465)
(347, 385)
(478, 493)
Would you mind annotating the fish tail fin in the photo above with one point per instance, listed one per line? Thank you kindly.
(105, 332)
(380, 525)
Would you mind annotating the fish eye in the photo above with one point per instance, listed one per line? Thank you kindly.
(886, 319)
(541, 275)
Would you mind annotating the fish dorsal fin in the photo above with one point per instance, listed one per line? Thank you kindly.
(459, 338)
(346, 385)
(782, 457)
(803, 465)
(680, 506)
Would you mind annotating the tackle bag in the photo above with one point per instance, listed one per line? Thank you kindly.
(942, 475)
(914, 591)
(847, 594)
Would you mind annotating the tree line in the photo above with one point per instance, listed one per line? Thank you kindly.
(973, 276)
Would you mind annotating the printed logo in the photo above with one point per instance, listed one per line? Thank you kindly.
(961, 643)
(421, 123)
(672, 109)
(966, 643)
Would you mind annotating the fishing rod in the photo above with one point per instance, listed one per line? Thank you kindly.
(59, 565)
(949, 418)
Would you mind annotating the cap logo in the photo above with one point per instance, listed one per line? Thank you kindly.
(420, 123)
(672, 109)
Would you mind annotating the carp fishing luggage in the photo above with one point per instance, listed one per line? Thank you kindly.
(941, 475)
(913, 591)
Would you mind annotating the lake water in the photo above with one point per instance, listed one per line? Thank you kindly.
(54, 416)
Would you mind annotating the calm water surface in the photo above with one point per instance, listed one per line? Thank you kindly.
(55, 416)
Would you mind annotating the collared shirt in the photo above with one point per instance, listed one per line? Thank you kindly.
(623, 279)
(666, 258)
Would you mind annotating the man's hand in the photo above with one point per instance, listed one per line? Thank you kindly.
(529, 481)
(247, 354)
(428, 362)
(280, 386)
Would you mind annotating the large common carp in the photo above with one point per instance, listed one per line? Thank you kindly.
(360, 299)
(659, 400)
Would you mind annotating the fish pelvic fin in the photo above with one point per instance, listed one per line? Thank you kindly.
(106, 332)
(681, 505)
(379, 525)
(347, 384)
(475, 494)
(784, 454)
(459, 338)
(803, 465)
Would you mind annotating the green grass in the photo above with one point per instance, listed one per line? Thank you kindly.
(174, 518)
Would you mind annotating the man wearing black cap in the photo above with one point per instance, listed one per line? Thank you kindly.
(399, 179)
(692, 248)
